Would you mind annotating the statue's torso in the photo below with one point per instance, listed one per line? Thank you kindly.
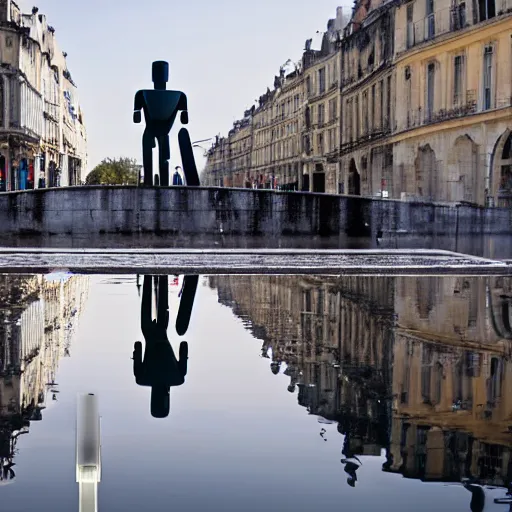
(161, 105)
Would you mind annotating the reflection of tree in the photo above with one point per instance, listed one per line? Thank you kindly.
(428, 385)
(37, 319)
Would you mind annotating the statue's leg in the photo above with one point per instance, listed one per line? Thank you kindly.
(183, 357)
(145, 314)
(186, 303)
(163, 302)
(187, 159)
(148, 143)
(164, 155)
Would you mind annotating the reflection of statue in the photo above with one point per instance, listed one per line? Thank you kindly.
(159, 368)
(160, 110)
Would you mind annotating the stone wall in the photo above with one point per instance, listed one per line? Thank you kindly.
(211, 213)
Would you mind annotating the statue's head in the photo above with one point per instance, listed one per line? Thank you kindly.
(160, 401)
(160, 74)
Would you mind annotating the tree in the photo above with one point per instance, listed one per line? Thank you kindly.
(112, 171)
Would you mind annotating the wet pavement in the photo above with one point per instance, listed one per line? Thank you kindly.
(245, 261)
(300, 392)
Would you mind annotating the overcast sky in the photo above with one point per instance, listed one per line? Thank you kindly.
(223, 55)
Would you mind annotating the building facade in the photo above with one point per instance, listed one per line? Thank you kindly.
(43, 141)
(322, 113)
(367, 89)
(410, 100)
(295, 127)
(452, 134)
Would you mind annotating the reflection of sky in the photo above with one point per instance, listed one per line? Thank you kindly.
(235, 440)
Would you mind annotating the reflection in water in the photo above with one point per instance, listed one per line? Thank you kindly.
(88, 452)
(159, 368)
(416, 368)
(37, 320)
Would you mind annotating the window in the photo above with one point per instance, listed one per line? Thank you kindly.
(460, 17)
(349, 117)
(2, 102)
(408, 96)
(308, 85)
(321, 81)
(487, 77)
(486, 9)
(15, 103)
(332, 139)
(333, 108)
(410, 25)
(429, 110)
(458, 80)
(381, 95)
(388, 104)
(357, 117)
(431, 21)
(373, 108)
(320, 143)
(321, 114)
(365, 112)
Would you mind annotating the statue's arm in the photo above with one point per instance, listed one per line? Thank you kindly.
(182, 105)
(138, 106)
(137, 359)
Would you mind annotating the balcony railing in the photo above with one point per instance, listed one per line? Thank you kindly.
(443, 21)
(421, 117)
(436, 24)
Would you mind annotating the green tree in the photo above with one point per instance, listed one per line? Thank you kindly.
(113, 171)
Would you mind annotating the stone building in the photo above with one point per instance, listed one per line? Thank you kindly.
(367, 89)
(216, 168)
(42, 132)
(276, 157)
(423, 107)
(452, 137)
(239, 152)
(322, 113)
(295, 133)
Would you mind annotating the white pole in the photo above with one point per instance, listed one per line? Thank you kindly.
(88, 451)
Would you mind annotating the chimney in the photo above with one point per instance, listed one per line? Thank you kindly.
(5, 10)
(339, 23)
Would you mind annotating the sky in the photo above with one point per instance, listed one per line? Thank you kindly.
(222, 54)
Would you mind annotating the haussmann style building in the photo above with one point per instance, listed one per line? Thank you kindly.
(408, 100)
(43, 141)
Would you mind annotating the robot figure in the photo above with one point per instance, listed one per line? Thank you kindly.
(160, 108)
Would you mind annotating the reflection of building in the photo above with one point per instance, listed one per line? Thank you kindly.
(42, 133)
(37, 318)
(418, 366)
(315, 325)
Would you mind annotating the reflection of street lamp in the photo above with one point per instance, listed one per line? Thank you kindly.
(88, 452)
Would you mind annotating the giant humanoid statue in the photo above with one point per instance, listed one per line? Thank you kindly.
(160, 108)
